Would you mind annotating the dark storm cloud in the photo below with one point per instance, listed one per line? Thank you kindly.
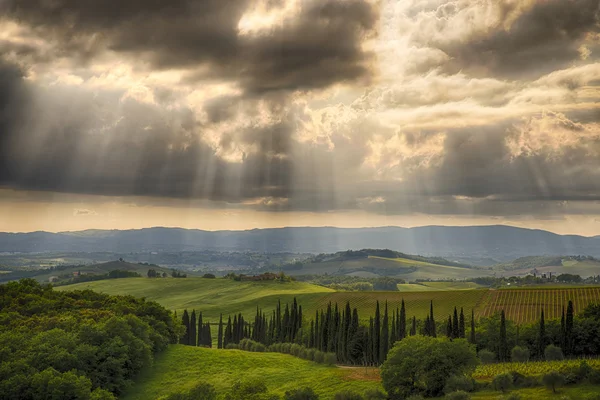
(543, 38)
(61, 141)
(319, 46)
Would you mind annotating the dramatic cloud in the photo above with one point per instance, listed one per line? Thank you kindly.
(436, 107)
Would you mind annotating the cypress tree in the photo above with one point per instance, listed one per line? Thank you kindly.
(385, 335)
(193, 329)
(311, 338)
(201, 340)
(234, 330)
(427, 327)
(503, 345)
(346, 331)
(569, 328)
(461, 324)
(393, 332)
(317, 341)
(207, 336)
(220, 333)
(353, 330)
(371, 346)
(455, 325)
(472, 339)
(542, 335)
(185, 319)
(413, 328)
(228, 337)
(449, 327)
(432, 328)
(377, 334)
(563, 334)
(402, 322)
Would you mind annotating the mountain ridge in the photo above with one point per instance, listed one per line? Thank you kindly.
(498, 242)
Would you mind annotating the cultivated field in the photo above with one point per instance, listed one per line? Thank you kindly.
(532, 368)
(182, 367)
(211, 296)
(524, 305)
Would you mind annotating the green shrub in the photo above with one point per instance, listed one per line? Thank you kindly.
(319, 357)
(513, 396)
(553, 353)
(519, 354)
(330, 359)
(553, 380)
(232, 346)
(593, 377)
(523, 381)
(458, 395)
(202, 391)
(249, 390)
(304, 393)
(486, 356)
(503, 382)
(348, 395)
(456, 383)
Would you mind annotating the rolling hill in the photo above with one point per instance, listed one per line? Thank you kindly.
(182, 367)
(474, 244)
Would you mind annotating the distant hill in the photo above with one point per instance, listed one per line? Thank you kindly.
(66, 271)
(372, 263)
(477, 245)
(584, 266)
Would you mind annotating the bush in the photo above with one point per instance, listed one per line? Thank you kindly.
(319, 357)
(519, 354)
(348, 395)
(553, 380)
(330, 359)
(374, 394)
(487, 357)
(523, 381)
(513, 396)
(305, 393)
(249, 390)
(232, 346)
(594, 377)
(458, 395)
(203, 391)
(503, 382)
(456, 383)
(553, 353)
(209, 276)
(423, 365)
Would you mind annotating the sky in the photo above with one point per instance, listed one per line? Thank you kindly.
(241, 114)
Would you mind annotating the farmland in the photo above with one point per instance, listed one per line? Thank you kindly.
(524, 305)
(532, 368)
(181, 367)
(215, 296)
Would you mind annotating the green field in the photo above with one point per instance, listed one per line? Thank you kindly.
(182, 367)
(211, 296)
(579, 392)
(437, 286)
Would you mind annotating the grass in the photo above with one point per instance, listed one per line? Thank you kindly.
(524, 305)
(211, 296)
(417, 303)
(182, 367)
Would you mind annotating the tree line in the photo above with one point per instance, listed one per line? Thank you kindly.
(338, 330)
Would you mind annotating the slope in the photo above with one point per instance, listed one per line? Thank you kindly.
(182, 367)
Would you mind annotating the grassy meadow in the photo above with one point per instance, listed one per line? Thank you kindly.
(181, 367)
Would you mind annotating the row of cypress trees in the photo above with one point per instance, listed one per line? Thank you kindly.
(338, 330)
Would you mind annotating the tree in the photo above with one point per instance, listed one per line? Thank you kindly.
(503, 344)
(472, 337)
(402, 322)
(385, 336)
(455, 324)
(432, 328)
(503, 382)
(377, 335)
(541, 335)
(185, 319)
(422, 365)
(193, 328)
(461, 324)
(201, 340)
(569, 329)
(553, 353)
(553, 380)
(413, 326)
(220, 333)
(519, 354)
(449, 327)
